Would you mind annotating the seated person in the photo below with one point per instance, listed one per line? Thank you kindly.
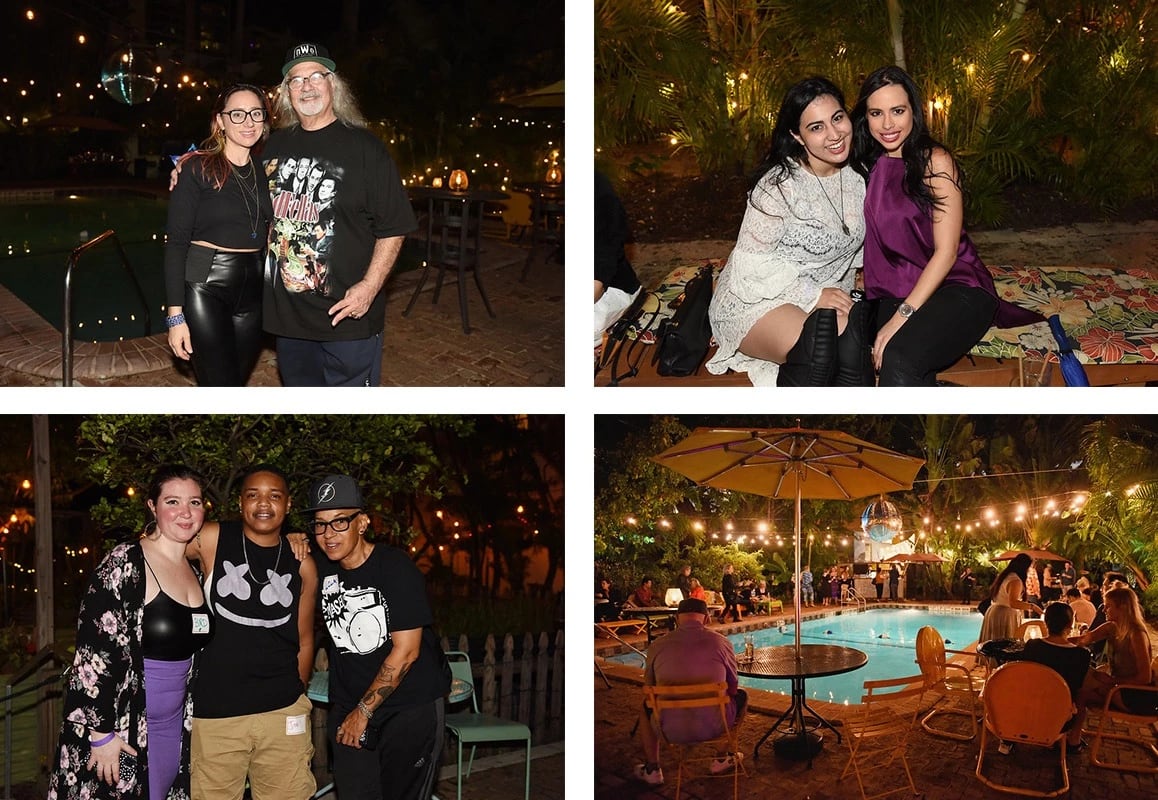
(1084, 611)
(1057, 652)
(608, 601)
(616, 284)
(690, 654)
(697, 590)
(1127, 659)
(643, 596)
(761, 596)
(744, 597)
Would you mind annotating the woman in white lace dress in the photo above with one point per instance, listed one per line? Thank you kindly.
(784, 295)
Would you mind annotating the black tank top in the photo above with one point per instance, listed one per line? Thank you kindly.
(251, 666)
(171, 631)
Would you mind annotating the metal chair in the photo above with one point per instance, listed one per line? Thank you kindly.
(472, 727)
(957, 684)
(1109, 715)
(878, 733)
(665, 699)
(319, 692)
(1026, 703)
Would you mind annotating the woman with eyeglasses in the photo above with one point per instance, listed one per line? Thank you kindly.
(219, 216)
(388, 674)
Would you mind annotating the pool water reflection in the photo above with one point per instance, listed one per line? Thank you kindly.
(888, 636)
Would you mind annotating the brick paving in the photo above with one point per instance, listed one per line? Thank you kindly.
(521, 346)
(943, 769)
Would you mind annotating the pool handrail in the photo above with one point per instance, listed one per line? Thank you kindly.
(66, 333)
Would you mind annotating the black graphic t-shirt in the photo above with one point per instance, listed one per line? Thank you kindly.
(335, 192)
(361, 608)
(251, 664)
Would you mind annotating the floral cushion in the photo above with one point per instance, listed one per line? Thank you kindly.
(1110, 316)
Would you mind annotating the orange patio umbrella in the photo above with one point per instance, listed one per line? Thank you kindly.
(1036, 555)
(790, 463)
(917, 558)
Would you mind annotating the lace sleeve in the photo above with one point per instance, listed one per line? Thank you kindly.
(761, 271)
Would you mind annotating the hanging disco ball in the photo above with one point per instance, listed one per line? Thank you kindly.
(129, 76)
(881, 522)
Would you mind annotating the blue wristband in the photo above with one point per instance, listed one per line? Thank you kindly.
(174, 321)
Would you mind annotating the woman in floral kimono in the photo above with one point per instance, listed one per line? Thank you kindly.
(142, 619)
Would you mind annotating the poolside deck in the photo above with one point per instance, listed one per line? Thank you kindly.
(942, 768)
(521, 346)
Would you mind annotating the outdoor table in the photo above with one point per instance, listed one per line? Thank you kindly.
(650, 614)
(1002, 650)
(454, 221)
(546, 220)
(798, 742)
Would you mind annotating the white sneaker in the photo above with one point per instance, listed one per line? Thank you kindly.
(642, 773)
(725, 763)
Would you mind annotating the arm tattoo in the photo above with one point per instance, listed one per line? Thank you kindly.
(393, 676)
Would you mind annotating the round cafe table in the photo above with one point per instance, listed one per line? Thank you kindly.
(799, 738)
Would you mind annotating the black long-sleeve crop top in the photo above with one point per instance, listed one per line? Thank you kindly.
(198, 212)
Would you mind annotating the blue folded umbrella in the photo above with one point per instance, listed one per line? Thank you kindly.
(1073, 373)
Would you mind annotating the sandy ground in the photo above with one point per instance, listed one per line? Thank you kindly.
(1133, 245)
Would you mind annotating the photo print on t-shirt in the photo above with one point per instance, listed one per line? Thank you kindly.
(303, 194)
(356, 616)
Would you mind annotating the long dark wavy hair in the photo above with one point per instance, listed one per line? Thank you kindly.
(786, 155)
(1019, 566)
(211, 155)
(917, 150)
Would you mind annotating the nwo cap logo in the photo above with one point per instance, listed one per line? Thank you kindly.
(306, 50)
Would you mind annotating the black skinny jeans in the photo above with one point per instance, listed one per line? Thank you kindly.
(941, 331)
(224, 318)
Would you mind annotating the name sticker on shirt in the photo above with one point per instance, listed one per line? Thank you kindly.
(295, 725)
(200, 623)
(330, 583)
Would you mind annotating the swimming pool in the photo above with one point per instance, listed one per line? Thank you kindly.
(887, 635)
(37, 235)
(39, 230)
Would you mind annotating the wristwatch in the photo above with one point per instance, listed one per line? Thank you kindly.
(906, 310)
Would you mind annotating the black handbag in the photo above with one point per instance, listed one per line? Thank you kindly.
(684, 339)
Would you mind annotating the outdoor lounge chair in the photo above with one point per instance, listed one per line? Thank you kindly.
(1108, 715)
(1026, 703)
(697, 696)
(878, 734)
(955, 683)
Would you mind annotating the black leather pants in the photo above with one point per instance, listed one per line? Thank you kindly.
(224, 317)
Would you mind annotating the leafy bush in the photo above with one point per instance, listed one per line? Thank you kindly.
(1150, 601)
(455, 616)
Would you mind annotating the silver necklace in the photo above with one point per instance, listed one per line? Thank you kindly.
(249, 567)
(248, 192)
(843, 224)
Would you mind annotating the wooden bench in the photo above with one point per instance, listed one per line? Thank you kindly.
(1110, 314)
(610, 627)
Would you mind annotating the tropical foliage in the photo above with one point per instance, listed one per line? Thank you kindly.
(1048, 91)
(990, 484)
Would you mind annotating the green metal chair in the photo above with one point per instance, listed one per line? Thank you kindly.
(472, 727)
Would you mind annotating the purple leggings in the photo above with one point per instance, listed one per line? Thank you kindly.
(165, 685)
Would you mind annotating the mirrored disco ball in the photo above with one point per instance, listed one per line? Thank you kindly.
(129, 76)
(881, 522)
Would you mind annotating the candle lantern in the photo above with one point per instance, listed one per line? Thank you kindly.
(458, 181)
(554, 175)
(436, 182)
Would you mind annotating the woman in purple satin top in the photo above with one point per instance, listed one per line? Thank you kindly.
(935, 296)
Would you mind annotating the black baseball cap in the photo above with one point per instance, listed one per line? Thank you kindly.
(307, 51)
(335, 491)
